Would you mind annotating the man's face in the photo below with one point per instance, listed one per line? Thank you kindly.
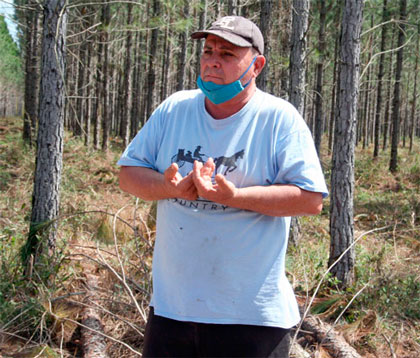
(223, 63)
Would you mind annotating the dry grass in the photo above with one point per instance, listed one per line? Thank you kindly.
(108, 234)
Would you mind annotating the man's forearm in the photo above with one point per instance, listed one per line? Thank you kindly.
(149, 184)
(144, 183)
(277, 200)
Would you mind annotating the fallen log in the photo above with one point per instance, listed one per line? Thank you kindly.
(93, 342)
(329, 339)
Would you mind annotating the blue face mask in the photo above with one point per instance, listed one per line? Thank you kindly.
(222, 93)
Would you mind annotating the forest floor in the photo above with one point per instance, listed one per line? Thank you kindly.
(104, 246)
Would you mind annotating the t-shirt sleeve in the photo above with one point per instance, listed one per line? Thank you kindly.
(298, 162)
(143, 149)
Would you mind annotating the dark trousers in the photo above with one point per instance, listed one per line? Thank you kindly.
(166, 337)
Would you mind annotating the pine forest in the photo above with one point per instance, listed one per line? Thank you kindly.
(79, 78)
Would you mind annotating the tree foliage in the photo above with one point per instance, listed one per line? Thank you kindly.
(11, 73)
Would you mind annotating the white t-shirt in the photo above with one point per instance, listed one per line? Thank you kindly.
(213, 263)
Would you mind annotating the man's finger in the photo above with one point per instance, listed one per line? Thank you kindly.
(196, 169)
(208, 167)
(221, 180)
(171, 171)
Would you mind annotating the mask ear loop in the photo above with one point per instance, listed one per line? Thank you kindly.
(239, 79)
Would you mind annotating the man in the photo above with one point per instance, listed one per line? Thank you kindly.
(219, 283)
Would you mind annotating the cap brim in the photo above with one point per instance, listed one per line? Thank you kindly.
(232, 38)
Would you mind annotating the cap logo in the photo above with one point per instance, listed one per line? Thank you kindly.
(226, 22)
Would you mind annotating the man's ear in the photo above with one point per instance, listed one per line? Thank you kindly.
(259, 65)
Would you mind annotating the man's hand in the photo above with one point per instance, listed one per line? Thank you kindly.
(219, 192)
(177, 186)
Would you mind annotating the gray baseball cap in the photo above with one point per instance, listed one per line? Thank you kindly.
(236, 30)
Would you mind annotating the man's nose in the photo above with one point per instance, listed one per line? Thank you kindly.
(213, 61)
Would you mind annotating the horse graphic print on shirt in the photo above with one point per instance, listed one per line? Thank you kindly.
(229, 163)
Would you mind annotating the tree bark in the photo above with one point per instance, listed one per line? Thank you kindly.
(414, 100)
(46, 193)
(30, 115)
(297, 76)
(152, 56)
(93, 343)
(395, 115)
(104, 85)
(388, 96)
(328, 338)
(80, 88)
(232, 7)
(182, 56)
(319, 113)
(137, 84)
(298, 53)
(127, 85)
(342, 177)
(201, 25)
(385, 16)
(265, 27)
(333, 97)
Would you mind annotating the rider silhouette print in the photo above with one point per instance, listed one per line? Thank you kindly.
(229, 164)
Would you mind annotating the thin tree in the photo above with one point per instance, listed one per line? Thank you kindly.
(342, 176)
(30, 115)
(232, 7)
(319, 113)
(395, 114)
(182, 56)
(414, 100)
(151, 76)
(385, 17)
(46, 193)
(265, 26)
(127, 85)
(300, 15)
(202, 22)
(105, 17)
(388, 94)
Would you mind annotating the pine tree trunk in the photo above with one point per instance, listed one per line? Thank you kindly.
(284, 43)
(414, 100)
(137, 81)
(387, 120)
(298, 53)
(297, 76)
(365, 112)
(127, 85)
(104, 85)
(342, 177)
(31, 90)
(80, 88)
(319, 113)
(152, 57)
(333, 97)
(385, 16)
(395, 114)
(97, 108)
(265, 27)
(89, 88)
(182, 56)
(232, 7)
(165, 63)
(46, 194)
(201, 25)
